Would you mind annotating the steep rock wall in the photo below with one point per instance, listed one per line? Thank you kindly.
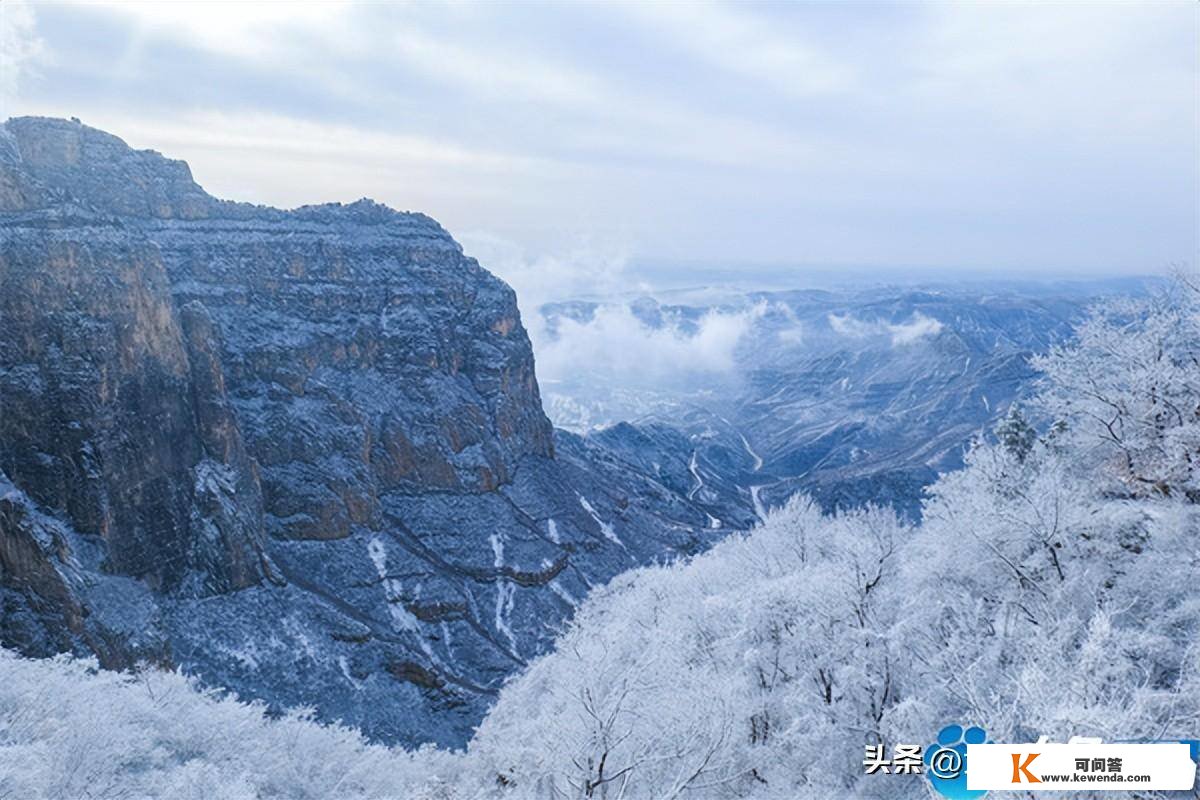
(301, 453)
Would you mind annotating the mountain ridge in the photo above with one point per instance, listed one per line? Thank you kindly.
(369, 512)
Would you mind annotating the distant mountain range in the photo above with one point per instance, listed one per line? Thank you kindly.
(854, 396)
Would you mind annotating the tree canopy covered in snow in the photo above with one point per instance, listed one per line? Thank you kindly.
(1049, 589)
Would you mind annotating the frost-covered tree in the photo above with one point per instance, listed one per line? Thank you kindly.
(70, 730)
(1127, 391)
(757, 669)
(1064, 567)
(1015, 433)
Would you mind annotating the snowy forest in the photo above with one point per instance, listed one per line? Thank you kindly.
(1050, 588)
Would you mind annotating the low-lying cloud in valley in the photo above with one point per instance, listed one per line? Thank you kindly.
(917, 327)
(615, 342)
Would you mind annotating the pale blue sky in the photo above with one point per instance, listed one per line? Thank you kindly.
(972, 137)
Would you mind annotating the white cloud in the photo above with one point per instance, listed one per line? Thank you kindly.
(733, 37)
(916, 328)
(848, 326)
(1093, 69)
(793, 332)
(616, 344)
(590, 111)
(509, 76)
(952, 136)
(20, 48)
(588, 268)
(251, 29)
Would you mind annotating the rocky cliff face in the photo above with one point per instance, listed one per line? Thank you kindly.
(99, 418)
(300, 454)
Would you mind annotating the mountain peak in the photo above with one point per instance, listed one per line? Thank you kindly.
(49, 158)
(46, 161)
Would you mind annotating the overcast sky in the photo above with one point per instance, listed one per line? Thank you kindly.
(970, 137)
